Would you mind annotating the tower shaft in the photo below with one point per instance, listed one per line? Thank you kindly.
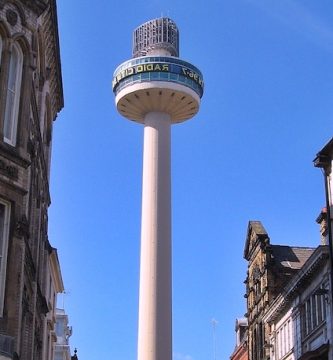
(155, 316)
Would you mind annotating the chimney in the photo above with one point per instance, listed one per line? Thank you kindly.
(322, 221)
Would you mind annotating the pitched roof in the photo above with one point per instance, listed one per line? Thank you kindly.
(315, 262)
(289, 257)
(326, 150)
(255, 232)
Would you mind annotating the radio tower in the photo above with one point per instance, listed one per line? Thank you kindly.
(157, 89)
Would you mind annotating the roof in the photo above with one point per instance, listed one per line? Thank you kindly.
(319, 256)
(327, 148)
(291, 257)
(324, 156)
(255, 232)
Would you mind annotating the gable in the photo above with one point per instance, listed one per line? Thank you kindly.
(256, 236)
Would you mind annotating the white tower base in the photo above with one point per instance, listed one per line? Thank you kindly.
(155, 316)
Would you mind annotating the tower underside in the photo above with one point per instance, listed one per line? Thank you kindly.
(178, 101)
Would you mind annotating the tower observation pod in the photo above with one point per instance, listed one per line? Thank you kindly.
(157, 89)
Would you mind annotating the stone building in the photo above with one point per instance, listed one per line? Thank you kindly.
(31, 95)
(324, 161)
(270, 268)
(289, 290)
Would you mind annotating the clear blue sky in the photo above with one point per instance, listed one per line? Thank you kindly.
(267, 110)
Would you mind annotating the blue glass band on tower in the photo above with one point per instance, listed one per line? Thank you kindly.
(157, 68)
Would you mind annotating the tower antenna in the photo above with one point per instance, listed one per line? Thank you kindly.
(214, 324)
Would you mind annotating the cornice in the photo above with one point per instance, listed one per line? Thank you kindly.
(14, 155)
(56, 272)
(56, 49)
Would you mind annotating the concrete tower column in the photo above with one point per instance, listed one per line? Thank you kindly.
(156, 89)
(155, 334)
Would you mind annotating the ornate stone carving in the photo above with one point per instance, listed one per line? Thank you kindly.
(11, 17)
(25, 302)
(38, 6)
(32, 146)
(8, 170)
(22, 227)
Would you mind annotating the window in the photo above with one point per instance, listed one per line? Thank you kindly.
(256, 279)
(313, 313)
(13, 95)
(258, 340)
(4, 233)
(60, 327)
(283, 342)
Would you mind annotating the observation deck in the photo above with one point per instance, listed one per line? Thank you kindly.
(155, 80)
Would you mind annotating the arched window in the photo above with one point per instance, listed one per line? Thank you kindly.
(13, 95)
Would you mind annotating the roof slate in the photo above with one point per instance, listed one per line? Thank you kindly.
(291, 257)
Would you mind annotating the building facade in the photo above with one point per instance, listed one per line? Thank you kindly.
(324, 161)
(288, 292)
(31, 95)
(270, 269)
(63, 333)
(300, 318)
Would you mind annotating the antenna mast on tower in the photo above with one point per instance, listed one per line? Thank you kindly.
(214, 324)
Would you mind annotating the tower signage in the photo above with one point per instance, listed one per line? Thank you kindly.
(146, 67)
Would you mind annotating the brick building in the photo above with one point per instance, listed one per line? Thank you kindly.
(241, 350)
(31, 95)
